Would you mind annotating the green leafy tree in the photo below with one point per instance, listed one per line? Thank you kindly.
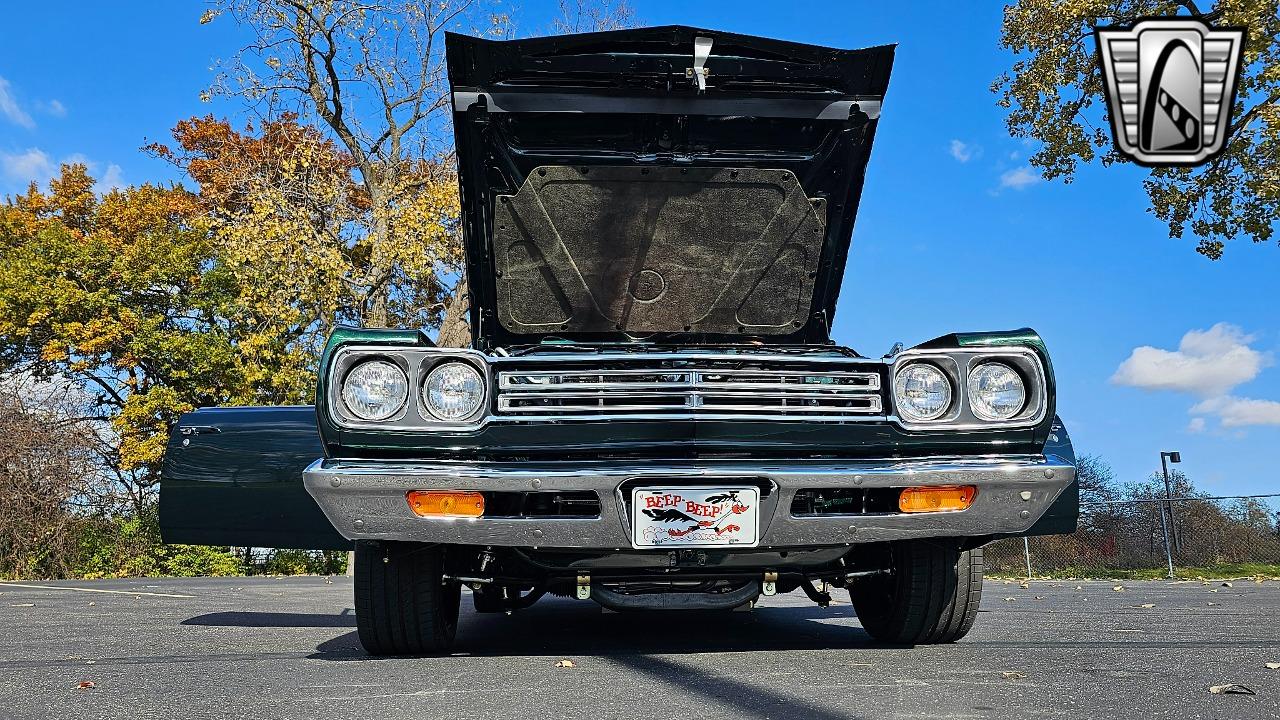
(127, 295)
(1054, 96)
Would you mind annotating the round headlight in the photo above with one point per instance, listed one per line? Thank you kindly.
(375, 390)
(996, 391)
(453, 391)
(922, 392)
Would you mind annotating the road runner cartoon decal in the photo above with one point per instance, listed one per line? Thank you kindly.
(693, 517)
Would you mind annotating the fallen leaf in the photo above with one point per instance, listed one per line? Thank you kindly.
(1231, 689)
(1211, 604)
(1012, 675)
(1273, 666)
(1079, 588)
(1147, 605)
(87, 685)
(1226, 584)
(1010, 599)
(1025, 585)
(565, 663)
(1039, 597)
(1214, 590)
(92, 603)
(90, 662)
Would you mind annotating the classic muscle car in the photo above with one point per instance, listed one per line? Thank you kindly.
(652, 414)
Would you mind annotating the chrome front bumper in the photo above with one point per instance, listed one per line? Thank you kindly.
(365, 499)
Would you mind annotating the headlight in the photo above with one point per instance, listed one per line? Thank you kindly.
(375, 390)
(922, 392)
(453, 391)
(996, 391)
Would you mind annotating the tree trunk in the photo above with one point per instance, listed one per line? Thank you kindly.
(454, 330)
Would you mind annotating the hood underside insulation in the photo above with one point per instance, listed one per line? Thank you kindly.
(657, 249)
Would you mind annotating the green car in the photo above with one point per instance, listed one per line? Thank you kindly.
(652, 413)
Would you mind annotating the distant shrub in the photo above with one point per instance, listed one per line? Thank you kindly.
(130, 546)
(304, 562)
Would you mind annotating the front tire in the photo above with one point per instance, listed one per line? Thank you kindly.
(403, 605)
(931, 595)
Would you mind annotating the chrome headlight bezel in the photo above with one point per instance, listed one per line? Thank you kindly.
(416, 363)
(958, 364)
(346, 391)
(977, 403)
(904, 374)
(437, 372)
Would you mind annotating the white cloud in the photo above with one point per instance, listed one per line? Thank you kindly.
(1207, 363)
(1240, 411)
(10, 108)
(1019, 178)
(32, 165)
(964, 152)
(112, 179)
(18, 170)
(51, 107)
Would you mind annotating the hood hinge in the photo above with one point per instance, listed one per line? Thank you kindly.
(699, 72)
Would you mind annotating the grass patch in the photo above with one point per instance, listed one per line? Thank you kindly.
(1270, 571)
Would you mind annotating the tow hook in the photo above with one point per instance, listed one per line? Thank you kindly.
(770, 584)
(584, 587)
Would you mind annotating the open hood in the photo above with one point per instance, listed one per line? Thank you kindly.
(663, 184)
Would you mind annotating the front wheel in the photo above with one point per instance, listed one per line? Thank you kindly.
(931, 594)
(403, 605)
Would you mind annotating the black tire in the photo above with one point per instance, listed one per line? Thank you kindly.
(403, 607)
(932, 595)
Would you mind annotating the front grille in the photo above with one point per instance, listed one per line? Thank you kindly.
(730, 387)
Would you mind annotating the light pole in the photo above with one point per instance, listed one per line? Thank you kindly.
(1171, 457)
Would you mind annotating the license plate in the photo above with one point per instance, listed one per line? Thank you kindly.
(695, 516)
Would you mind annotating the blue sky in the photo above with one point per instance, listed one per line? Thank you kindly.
(954, 232)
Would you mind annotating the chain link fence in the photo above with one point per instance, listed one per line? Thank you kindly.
(1153, 537)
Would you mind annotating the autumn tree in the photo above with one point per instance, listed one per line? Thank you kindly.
(1054, 95)
(373, 75)
(125, 295)
(289, 217)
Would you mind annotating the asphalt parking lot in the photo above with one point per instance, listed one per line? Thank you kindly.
(286, 648)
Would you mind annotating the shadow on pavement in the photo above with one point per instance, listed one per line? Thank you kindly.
(569, 628)
(750, 699)
(273, 619)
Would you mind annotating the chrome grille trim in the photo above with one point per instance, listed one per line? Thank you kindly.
(684, 390)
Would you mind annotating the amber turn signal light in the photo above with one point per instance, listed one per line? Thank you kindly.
(939, 498)
(446, 503)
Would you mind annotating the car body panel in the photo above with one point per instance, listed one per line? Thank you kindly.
(242, 484)
(233, 476)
